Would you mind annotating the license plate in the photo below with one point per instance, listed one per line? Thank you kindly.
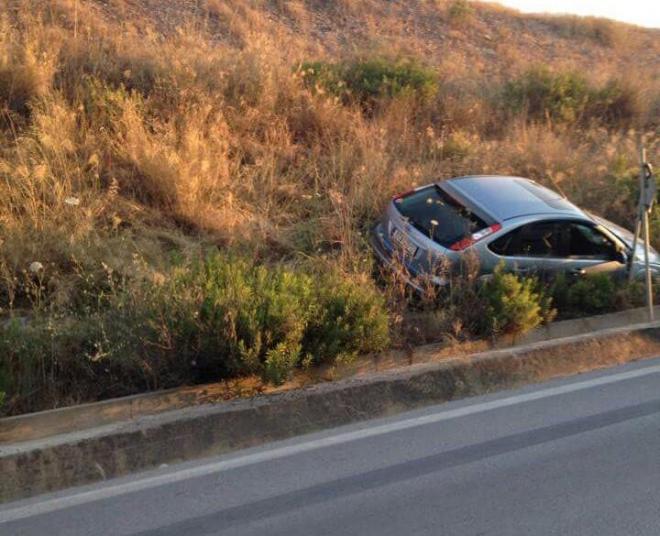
(403, 243)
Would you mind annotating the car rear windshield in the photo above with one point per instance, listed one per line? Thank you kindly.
(436, 214)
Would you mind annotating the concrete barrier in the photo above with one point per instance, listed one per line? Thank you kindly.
(88, 455)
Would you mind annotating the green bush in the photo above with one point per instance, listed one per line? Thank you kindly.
(52, 361)
(371, 79)
(629, 294)
(219, 318)
(592, 294)
(324, 76)
(252, 318)
(513, 305)
(558, 289)
(568, 97)
(351, 320)
(596, 294)
(543, 94)
(367, 81)
(491, 305)
(267, 321)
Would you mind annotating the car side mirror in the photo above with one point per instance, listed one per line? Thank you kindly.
(621, 257)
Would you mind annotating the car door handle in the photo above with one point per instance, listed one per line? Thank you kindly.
(578, 272)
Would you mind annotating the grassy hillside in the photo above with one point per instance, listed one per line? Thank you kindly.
(139, 139)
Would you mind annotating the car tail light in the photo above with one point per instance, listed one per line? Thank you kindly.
(468, 241)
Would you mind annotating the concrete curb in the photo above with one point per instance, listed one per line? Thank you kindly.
(56, 462)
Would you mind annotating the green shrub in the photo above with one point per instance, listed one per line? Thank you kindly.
(57, 361)
(597, 294)
(218, 318)
(367, 81)
(491, 305)
(266, 321)
(543, 94)
(568, 97)
(592, 294)
(558, 289)
(513, 305)
(352, 319)
(629, 294)
(252, 318)
(375, 78)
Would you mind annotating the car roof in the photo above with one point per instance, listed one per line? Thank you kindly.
(506, 197)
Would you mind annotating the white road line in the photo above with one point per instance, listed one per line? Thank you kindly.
(114, 490)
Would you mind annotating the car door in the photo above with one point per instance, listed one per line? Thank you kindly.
(589, 249)
(531, 249)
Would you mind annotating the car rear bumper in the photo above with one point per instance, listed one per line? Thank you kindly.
(384, 251)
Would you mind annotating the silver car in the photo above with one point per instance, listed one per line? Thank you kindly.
(512, 221)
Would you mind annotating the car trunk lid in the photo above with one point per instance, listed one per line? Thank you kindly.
(438, 219)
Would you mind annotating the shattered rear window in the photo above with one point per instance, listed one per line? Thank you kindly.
(440, 217)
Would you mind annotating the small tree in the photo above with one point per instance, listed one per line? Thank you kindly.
(513, 305)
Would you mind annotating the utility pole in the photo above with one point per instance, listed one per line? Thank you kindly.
(647, 194)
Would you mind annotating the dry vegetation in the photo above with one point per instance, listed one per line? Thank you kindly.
(135, 135)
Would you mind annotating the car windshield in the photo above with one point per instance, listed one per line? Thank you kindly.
(436, 214)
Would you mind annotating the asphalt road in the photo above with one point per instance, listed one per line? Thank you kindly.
(572, 457)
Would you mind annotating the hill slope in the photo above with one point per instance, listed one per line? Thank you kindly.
(486, 36)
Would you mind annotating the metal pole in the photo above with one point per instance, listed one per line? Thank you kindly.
(647, 267)
(639, 217)
(647, 239)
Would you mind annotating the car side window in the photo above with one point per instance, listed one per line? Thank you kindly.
(504, 244)
(538, 239)
(587, 242)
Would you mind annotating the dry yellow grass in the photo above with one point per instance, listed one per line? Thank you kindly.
(178, 125)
